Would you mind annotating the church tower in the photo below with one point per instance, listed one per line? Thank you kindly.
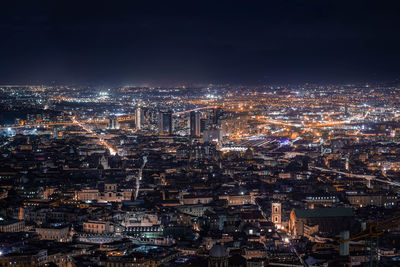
(276, 213)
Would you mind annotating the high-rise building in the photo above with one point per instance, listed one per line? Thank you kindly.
(194, 124)
(203, 125)
(139, 118)
(165, 123)
(113, 123)
(217, 115)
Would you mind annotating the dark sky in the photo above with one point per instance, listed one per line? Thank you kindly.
(163, 42)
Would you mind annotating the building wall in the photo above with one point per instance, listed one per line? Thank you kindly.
(57, 234)
(22, 260)
(196, 200)
(236, 200)
(97, 227)
(87, 195)
(367, 200)
(17, 226)
(329, 224)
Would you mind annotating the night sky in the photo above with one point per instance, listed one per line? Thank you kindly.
(167, 42)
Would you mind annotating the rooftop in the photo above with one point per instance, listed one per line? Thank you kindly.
(324, 212)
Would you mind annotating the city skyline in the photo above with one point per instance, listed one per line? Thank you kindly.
(199, 133)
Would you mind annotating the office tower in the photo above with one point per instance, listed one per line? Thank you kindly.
(194, 124)
(165, 123)
(203, 125)
(217, 115)
(113, 123)
(139, 118)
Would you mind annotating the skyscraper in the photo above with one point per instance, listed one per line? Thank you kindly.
(139, 118)
(203, 125)
(113, 123)
(194, 124)
(165, 123)
(216, 116)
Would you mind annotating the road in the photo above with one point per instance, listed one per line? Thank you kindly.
(101, 140)
(362, 176)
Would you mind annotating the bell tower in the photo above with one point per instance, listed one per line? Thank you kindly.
(276, 213)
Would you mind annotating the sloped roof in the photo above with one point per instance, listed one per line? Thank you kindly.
(218, 251)
(324, 212)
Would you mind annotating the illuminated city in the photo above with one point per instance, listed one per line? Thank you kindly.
(215, 172)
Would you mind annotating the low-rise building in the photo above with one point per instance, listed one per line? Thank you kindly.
(12, 226)
(98, 227)
(59, 233)
(332, 220)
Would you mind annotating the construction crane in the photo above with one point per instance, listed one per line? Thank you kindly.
(371, 233)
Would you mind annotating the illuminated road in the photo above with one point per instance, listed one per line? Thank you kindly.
(36, 125)
(195, 109)
(267, 121)
(43, 124)
(305, 125)
(101, 140)
(362, 176)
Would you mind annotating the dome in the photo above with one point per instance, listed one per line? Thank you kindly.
(218, 251)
